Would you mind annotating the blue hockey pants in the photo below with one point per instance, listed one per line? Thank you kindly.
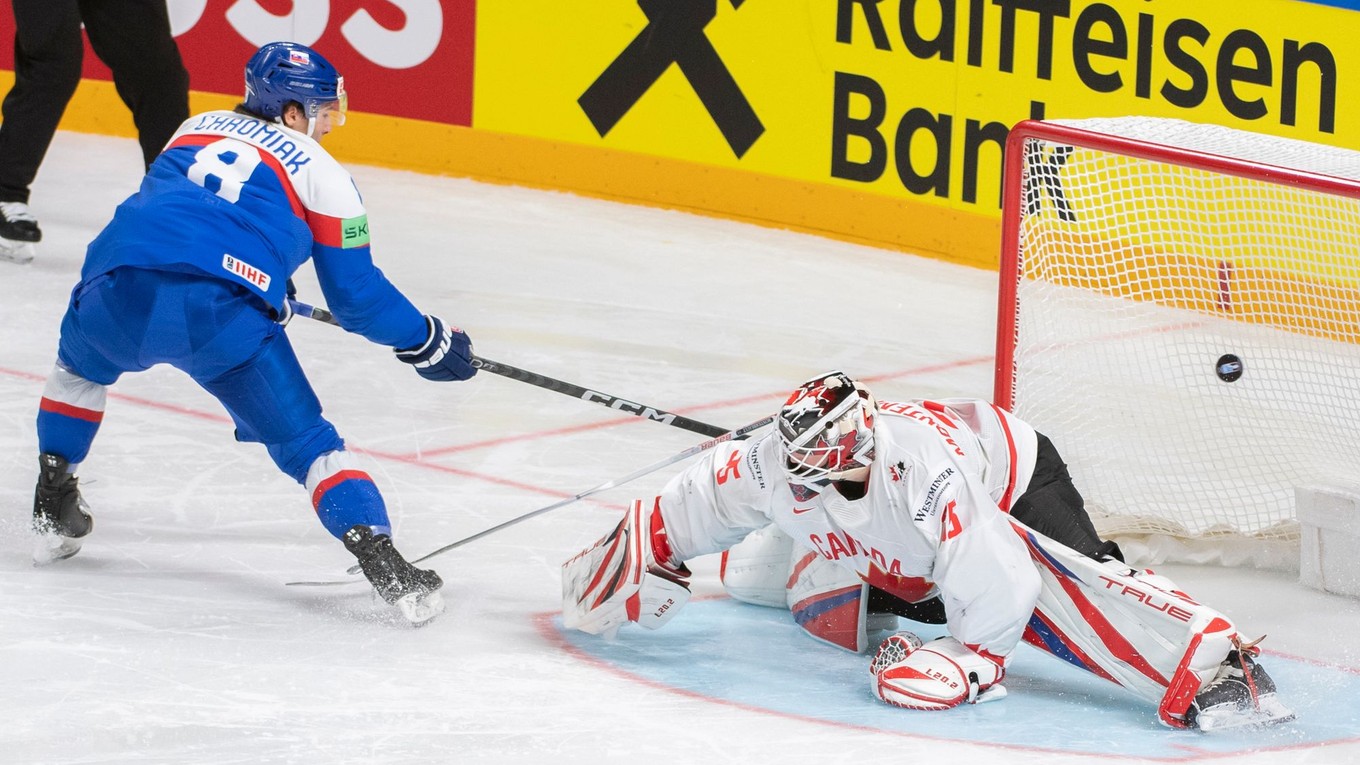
(222, 336)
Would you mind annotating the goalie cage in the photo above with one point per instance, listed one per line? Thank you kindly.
(1179, 311)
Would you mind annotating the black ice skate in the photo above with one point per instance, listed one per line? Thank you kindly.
(19, 232)
(1241, 695)
(59, 517)
(413, 590)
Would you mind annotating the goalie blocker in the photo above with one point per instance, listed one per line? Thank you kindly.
(628, 576)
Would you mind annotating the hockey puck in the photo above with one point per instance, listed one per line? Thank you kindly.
(1229, 367)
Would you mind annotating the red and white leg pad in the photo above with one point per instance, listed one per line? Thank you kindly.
(1133, 628)
(941, 674)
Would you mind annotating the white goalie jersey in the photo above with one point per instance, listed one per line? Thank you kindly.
(932, 520)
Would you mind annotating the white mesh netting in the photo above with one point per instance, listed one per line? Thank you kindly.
(1136, 277)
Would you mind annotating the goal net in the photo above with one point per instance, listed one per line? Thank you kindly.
(1180, 312)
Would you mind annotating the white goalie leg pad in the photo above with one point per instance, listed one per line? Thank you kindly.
(618, 580)
(756, 569)
(1136, 630)
(1204, 651)
(941, 674)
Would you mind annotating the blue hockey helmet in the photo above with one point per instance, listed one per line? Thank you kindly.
(281, 72)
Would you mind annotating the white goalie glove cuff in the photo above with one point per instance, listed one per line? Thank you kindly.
(619, 580)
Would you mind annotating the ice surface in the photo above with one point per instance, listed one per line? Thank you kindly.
(171, 639)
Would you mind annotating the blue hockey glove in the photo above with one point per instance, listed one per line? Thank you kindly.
(445, 355)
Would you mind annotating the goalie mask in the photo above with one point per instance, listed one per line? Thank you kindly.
(826, 431)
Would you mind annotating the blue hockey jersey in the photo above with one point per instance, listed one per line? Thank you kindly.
(246, 200)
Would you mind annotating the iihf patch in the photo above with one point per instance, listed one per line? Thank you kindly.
(244, 270)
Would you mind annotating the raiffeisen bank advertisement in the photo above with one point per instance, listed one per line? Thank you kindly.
(896, 111)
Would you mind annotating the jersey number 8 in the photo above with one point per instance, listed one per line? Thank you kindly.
(224, 166)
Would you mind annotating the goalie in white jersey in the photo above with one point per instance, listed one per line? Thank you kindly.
(951, 511)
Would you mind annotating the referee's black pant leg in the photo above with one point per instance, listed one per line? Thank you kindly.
(133, 38)
(47, 56)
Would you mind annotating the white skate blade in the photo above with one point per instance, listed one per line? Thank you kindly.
(1227, 717)
(17, 252)
(50, 548)
(419, 609)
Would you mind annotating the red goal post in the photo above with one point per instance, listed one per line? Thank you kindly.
(1179, 310)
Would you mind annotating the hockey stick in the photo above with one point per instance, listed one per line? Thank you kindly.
(557, 386)
(690, 452)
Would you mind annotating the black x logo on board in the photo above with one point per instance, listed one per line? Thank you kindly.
(674, 35)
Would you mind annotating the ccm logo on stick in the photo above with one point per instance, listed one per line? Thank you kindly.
(628, 406)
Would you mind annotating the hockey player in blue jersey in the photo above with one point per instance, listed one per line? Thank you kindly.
(193, 272)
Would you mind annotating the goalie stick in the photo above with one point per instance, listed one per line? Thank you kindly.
(655, 466)
(557, 386)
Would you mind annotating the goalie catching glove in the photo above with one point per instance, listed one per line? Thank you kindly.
(629, 576)
(941, 674)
